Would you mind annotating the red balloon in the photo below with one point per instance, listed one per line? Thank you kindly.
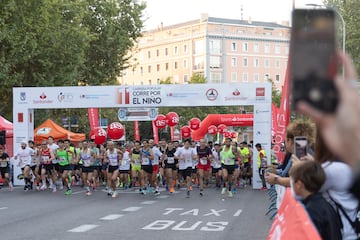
(222, 128)
(185, 131)
(92, 134)
(115, 130)
(160, 121)
(212, 129)
(99, 136)
(194, 123)
(233, 134)
(172, 119)
(227, 134)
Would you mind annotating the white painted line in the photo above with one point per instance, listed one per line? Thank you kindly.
(148, 202)
(237, 213)
(74, 193)
(3, 208)
(112, 217)
(132, 209)
(83, 228)
(162, 197)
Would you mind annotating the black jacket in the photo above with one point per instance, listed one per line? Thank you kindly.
(324, 217)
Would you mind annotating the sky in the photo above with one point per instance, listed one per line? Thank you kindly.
(177, 11)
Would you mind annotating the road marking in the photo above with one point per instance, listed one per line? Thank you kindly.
(78, 192)
(3, 208)
(132, 209)
(148, 202)
(162, 197)
(112, 217)
(83, 228)
(237, 213)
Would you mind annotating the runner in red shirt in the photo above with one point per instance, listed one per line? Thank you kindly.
(204, 164)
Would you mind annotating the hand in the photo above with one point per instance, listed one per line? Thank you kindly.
(270, 178)
(343, 126)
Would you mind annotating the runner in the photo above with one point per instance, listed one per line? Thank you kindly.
(46, 158)
(62, 154)
(216, 164)
(238, 168)
(53, 146)
(155, 176)
(35, 165)
(135, 164)
(246, 155)
(24, 155)
(112, 157)
(162, 148)
(204, 164)
(87, 157)
(146, 168)
(170, 165)
(185, 155)
(228, 156)
(124, 168)
(4, 167)
(97, 164)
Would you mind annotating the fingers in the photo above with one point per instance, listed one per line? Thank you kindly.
(349, 68)
(308, 110)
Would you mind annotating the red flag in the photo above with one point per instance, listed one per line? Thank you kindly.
(136, 131)
(93, 114)
(292, 222)
(155, 132)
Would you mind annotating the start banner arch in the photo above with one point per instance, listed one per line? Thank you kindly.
(26, 99)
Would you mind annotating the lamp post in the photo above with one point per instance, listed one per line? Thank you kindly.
(343, 29)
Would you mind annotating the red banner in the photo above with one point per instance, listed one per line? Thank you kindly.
(155, 132)
(93, 114)
(292, 222)
(136, 131)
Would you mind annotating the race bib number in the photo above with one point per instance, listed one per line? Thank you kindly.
(113, 161)
(3, 164)
(145, 161)
(170, 160)
(188, 160)
(203, 161)
(62, 159)
(23, 159)
(263, 163)
(124, 162)
(228, 161)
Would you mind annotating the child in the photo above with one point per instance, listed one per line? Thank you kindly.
(306, 179)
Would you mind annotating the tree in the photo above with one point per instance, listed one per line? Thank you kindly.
(197, 78)
(275, 94)
(166, 81)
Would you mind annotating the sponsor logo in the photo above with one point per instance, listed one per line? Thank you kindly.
(23, 96)
(235, 96)
(260, 92)
(236, 92)
(43, 99)
(139, 96)
(65, 97)
(262, 111)
(93, 96)
(212, 94)
(44, 130)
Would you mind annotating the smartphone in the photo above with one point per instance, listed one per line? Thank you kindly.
(313, 64)
(301, 146)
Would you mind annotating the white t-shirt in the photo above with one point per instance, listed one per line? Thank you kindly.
(338, 180)
(216, 163)
(24, 156)
(53, 147)
(187, 155)
(157, 154)
(125, 161)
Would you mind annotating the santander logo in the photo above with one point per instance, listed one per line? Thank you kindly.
(43, 96)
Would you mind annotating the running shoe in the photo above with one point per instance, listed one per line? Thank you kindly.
(143, 192)
(188, 194)
(230, 194)
(88, 193)
(11, 187)
(156, 193)
(234, 191)
(150, 189)
(54, 189)
(263, 189)
(201, 193)
(109, 193)
(68, 192)
(114, 194)
(223, 191)
(172, 190)
(43, 187)
(190, 188)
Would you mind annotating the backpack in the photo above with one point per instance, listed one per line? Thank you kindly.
(356, 223)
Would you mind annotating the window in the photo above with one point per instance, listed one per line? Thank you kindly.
(234, 62)
(215, 77)
(277, 77)
(149, 81)
(157, 67)
(175, 65)
(214, 46)
(245, 77)
(185, 48)
(185, 63)
(277, 63)
(267, 48)
(256, 77)
(245, 62)
(256, 62)
(157, 52)
(176, 50)
(166, 51)
(245, 47)
(233, 46)
(266, 77)
(176, 78)
(141, 71)
(266, 63)
(256, 47)
(277, 49)
(158, 81)
(149, 54)
(234, 77)
(167, 66)
(215, 62)
(149, 69)
(185, 78)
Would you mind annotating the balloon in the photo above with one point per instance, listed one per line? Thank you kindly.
(92, 134)
(194, 123)
(222, 128)
(227, 134)
(160, 121)
(233, 134)
(185, 131)
(212, 129)
(172, 119)
(99, 136)
(115, 130)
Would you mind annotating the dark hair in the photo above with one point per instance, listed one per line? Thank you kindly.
(67, 140)
(310, 173)
(187, 140)
(60, 141)
(51, 137)
(137, 141)
(301, 128)
(258, 145)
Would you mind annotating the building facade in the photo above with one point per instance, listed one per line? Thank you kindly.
(222, 50)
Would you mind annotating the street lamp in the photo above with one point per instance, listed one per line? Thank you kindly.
(343, 26)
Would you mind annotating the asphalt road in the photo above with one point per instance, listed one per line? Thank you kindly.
(54, 216)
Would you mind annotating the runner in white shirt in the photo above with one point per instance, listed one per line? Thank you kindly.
(124, 167)
(24, 155)
(155, 165)
(53, 147)
(216, 164)
(112, 157)
(185, 157)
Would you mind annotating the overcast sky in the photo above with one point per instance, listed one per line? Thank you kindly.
(176, 11)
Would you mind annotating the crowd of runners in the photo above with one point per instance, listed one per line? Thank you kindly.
(144, 165)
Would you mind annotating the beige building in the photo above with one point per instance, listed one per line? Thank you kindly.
(222, 50)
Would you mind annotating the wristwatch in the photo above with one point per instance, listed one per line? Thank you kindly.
(276, 179)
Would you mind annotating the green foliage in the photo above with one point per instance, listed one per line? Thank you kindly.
(166, 81)
(275, 94)
(197, 78)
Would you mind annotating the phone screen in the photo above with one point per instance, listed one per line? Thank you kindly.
(301, 144)
(313, 64)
